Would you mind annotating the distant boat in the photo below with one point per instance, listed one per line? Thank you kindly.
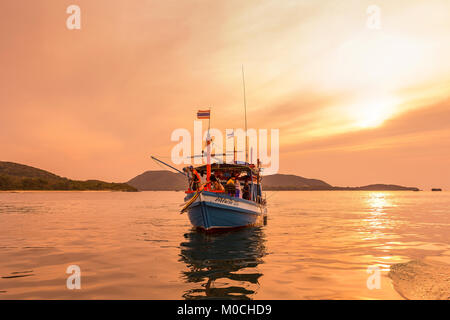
(436, 189)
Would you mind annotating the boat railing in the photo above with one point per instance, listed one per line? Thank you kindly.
(214, 191)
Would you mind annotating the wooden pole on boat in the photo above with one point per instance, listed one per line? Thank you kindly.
(208, 157)
(245, 110)
(168, 165)
(208, 152)
(234, 149)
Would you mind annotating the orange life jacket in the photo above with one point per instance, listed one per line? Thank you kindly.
(196, 176)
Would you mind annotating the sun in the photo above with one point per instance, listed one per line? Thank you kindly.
(370, 113)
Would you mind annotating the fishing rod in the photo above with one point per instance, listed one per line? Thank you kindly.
(168, 165)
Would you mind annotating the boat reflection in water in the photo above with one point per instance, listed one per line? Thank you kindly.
(224, 265)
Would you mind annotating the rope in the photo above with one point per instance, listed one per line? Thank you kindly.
(191, 201)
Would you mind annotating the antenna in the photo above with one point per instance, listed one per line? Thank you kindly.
(245, 109)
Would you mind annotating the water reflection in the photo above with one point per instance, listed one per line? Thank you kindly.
(378, 201)
(223, 266)
(378, 222)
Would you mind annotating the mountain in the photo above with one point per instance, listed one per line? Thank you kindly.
(292, 182)
(166, 180)
(159, 180)
(15, 176)
(379, 187)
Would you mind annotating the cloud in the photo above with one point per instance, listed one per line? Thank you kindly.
(101, 99)
(412, 126)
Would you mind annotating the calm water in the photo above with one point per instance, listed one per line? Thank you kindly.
(316, 245)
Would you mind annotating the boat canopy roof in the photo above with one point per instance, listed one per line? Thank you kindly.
(229, 167)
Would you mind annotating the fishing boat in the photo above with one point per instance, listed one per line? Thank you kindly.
(209, 209)
(212, 209)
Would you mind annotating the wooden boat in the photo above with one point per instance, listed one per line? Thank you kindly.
(211, 210)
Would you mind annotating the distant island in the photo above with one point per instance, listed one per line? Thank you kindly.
(15, 176)
(163, 180)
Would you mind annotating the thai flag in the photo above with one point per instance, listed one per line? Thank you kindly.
(203, 114)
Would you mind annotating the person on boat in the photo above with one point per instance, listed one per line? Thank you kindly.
(216, 185)
(231, 186)
(238, 188)
(246, 191)
(195, 179)
(188, 174)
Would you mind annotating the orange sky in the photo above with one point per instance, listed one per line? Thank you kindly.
(354, 106)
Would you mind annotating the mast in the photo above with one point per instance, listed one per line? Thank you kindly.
(234, 148)
(208, 150)
(245, 111)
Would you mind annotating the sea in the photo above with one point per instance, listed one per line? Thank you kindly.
(315, 245)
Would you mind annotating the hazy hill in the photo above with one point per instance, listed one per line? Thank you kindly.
(159, 180)
(166, 180)
(15, 176)
(380, 187)
(20, 170)
(292, 182)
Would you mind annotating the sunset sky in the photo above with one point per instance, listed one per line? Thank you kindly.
(354, 105)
